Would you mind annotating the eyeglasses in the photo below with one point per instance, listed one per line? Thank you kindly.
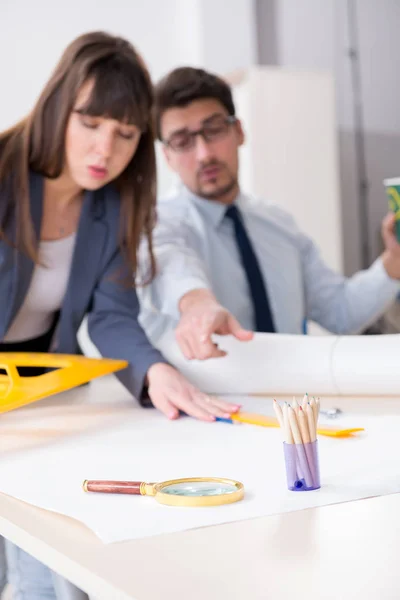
(185, 140)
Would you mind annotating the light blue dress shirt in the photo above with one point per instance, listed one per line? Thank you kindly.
(195, 247)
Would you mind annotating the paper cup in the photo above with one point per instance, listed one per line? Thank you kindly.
(392, 187)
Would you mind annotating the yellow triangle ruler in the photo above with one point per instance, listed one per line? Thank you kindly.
(70, 371)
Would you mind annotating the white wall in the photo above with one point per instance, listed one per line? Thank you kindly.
(316, 34)
(379, 25)
(230, 34)
(290, 158)
(169, 33)
(311, 17)
(313, 34)
(33, 35)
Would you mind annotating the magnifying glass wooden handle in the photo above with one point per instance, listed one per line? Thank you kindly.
(113, 487)
(190, 491)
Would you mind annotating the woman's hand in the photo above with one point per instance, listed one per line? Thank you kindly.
(171, 392)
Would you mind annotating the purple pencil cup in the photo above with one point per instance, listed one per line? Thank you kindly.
(302, 466)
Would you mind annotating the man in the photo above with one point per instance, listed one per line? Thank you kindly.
(229, 264)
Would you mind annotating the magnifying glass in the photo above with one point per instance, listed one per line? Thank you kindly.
(193, 491)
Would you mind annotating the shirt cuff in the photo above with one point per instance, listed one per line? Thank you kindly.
(391, 285)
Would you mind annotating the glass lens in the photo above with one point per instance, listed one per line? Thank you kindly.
(199, 488)
(181, 142)
(216, 130)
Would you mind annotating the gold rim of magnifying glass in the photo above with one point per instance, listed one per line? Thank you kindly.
(172, 500)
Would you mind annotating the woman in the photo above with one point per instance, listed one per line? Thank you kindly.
(77, 193)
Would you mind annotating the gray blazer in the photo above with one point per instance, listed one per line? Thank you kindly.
(94, 286)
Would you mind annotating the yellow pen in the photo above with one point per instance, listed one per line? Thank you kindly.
(265, 421)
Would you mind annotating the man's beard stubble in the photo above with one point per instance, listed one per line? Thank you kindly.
(220, 191)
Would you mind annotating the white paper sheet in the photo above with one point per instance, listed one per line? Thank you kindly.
(142, 445)
(295, 364)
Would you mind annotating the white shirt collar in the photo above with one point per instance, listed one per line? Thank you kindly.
(211, 210)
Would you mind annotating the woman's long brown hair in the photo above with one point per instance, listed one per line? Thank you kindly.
(122, 90)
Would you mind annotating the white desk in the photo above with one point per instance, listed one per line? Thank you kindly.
(346, 551)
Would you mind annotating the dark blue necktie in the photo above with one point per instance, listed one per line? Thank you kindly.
(262, 310)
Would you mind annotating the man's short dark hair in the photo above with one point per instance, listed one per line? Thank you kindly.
(184, 85)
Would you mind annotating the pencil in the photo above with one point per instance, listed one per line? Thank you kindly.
(294, 425)
(303, 462)
(295, 405)
(303, 426)
(278, 412)
(288, 431)
(317, 402)
(315, 410)
(306, 437)
(311, 423)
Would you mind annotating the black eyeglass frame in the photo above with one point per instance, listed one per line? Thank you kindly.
(202, 132)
